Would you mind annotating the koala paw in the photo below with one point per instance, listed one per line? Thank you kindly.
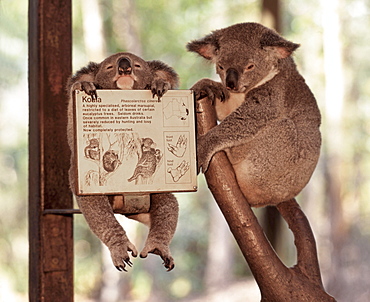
(203, 156)
(161, 250)
(120, 256)
(159, 87)
(87, 87)
(212, 89)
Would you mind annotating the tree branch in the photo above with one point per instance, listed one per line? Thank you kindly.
(275, 280)
(304, 240)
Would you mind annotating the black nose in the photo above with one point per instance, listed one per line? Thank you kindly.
(124, 66)
(232, 77)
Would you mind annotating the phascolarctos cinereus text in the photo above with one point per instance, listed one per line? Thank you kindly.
(269, 118)
(124, 71)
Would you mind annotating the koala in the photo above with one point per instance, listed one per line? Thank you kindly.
(92, 151)
(148, 161)
(110, 161)
(124, 71)
(269, 118)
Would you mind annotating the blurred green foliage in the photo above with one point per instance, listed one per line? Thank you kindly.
(162, 28)
(13, 148)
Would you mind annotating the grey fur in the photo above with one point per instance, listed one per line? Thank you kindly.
(97, 210)
(269, 117)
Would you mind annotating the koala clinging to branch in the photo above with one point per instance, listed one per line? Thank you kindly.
(125, 71)
(270, 121)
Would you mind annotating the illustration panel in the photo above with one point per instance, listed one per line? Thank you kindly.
(128, 141)
(178, 157)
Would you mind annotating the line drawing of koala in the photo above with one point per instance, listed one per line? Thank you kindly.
(92, 150)
(149, 160)
(124, 71)
(269, 118)
(112, 157)
(110, 160)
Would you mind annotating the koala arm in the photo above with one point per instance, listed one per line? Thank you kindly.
(84, 80)
(165, 78)
(234, 130)
(238, 128)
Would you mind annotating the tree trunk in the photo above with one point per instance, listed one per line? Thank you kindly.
(271, 16)
(275, 280)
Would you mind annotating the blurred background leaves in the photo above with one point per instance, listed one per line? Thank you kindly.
(333, 58)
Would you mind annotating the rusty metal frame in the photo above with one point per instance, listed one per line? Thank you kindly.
(50, 228)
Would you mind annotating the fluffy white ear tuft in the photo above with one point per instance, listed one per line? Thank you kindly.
(206, 47)
(280, 47)
(279, 52)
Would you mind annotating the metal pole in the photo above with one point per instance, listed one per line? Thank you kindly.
(50, 235)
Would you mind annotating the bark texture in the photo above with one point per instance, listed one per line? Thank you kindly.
(276, 281)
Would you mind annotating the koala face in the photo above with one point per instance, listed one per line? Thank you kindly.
(241, 71)
(124, 71)
(246, 55)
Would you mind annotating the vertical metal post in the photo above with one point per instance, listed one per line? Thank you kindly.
(50, 235)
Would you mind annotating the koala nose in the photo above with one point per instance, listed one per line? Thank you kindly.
(124, 66)
(232, 77)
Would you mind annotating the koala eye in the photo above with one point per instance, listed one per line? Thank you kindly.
(249, 67)
(137, 65)
(109, 67)
(219, 66)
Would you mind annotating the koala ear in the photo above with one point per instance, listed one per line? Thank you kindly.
(273, 42)
(206, 47)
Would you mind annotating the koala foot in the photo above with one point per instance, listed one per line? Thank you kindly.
(180, 171)
(161, 250)
(120, 256)
(88, 87)
(212, 89)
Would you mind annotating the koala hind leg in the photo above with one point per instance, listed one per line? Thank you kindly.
(99, 214)
(164, 212)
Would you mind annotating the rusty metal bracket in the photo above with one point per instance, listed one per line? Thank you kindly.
(131, 203)
(122, 204)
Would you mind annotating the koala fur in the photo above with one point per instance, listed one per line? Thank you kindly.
(125, 71)
(269, 117)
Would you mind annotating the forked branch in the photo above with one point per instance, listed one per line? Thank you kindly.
(275, 280)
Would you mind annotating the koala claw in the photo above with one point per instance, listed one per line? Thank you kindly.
(169, 264)
(122, 267)
(159, 93)
(212, 89)
(161, 250)
(212, 93)
(120, 256)
(203, 158)
(202, 165)
(87, 87)
(159, 88)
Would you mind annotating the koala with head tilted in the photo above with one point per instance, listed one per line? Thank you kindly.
(270, 121)
(125, 71)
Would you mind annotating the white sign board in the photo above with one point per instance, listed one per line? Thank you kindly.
(130, 142)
